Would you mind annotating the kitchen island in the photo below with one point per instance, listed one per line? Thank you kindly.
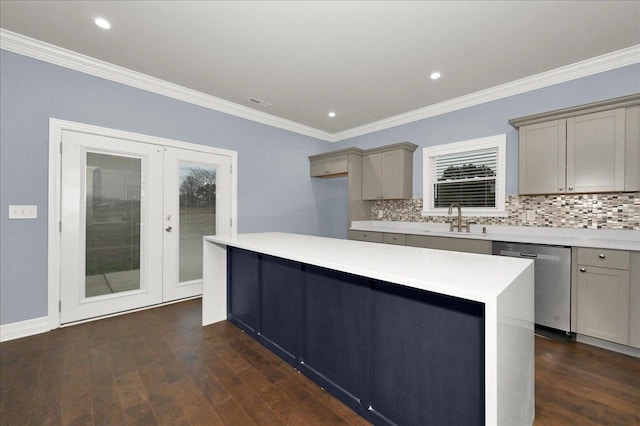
(402, 335)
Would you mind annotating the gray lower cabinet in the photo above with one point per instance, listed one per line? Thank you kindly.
(397, 239)
(603, 290)
(454, 244)
(373, 237)
(378, 237)
(634, 300)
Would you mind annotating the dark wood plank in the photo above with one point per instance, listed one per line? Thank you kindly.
(161, 366)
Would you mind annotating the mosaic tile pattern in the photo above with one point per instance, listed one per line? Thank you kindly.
(593, 211)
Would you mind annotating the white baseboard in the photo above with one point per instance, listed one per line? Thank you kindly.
(16, 330)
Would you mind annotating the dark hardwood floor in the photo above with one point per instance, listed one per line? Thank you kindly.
(161, 367)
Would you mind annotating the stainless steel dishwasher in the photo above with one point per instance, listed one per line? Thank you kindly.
(552, 281)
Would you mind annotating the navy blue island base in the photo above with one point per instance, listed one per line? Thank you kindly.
(394, 354)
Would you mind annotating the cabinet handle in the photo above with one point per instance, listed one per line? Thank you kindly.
(560, 189)
(601, 256)
(395, 238)
(364, 235)
(583, 269)
(571, 188)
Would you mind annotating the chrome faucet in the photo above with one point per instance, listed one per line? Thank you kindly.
(459, 217)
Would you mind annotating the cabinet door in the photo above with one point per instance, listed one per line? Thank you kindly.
(632, 149)
(244, 288)
(595, 152)
(393, 183)
(427, 357)
(282, 290)
(336, 319)
(318, 167)
(603, 303)
(542, 158)
(329, 166)
(371, 176)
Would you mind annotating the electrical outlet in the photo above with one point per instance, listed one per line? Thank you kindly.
(531, 215)
(380, 214)
(23, 212)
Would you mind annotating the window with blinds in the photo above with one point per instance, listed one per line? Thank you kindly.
(470, 173)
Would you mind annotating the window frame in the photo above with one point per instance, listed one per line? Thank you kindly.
(498, 142)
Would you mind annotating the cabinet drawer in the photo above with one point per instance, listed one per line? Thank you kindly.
(399, 239)
(450, 243)
(374, 237)
(616, 259)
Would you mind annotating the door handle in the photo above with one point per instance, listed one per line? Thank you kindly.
(528, 255)
(168, 229)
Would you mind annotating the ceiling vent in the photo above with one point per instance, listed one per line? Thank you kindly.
(259, 102)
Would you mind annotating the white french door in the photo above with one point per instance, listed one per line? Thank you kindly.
(132, 219)
(197, 199)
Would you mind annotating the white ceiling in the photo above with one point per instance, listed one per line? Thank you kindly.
(367, 61)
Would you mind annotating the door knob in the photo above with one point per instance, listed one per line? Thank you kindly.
(168, 229)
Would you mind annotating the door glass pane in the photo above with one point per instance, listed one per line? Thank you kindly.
(197, 216)
(113, 186)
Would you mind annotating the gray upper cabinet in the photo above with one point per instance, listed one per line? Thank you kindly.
(543, 158)
(387, 173)
(632, 149)
(586, 149)
(595, 152)
(329, 165)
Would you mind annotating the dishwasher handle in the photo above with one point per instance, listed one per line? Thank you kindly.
(531, 255)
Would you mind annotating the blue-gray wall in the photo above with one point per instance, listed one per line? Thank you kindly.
(275, 192)
(492, 118)
(274, 189)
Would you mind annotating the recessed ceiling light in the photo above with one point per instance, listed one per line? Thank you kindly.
(102, 23)
(332, 114)
(435, 75)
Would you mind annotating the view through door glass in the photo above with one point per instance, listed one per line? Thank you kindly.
(113, 191)
(197, 216)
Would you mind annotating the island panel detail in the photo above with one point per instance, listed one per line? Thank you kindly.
(395, 355)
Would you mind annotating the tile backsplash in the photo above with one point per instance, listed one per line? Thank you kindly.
(593, 211)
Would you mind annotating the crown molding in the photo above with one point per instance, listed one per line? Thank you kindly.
(37, 49)
(598, 64)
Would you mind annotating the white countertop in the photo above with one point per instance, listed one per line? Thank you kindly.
(571, 237)
(470, 276)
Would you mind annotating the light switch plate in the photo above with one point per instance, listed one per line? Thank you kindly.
(23, 212)
(380, 214)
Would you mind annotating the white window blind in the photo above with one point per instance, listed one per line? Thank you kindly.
(467, 178)
(470, 173)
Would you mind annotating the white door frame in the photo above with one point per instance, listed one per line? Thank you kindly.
(56, 127)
